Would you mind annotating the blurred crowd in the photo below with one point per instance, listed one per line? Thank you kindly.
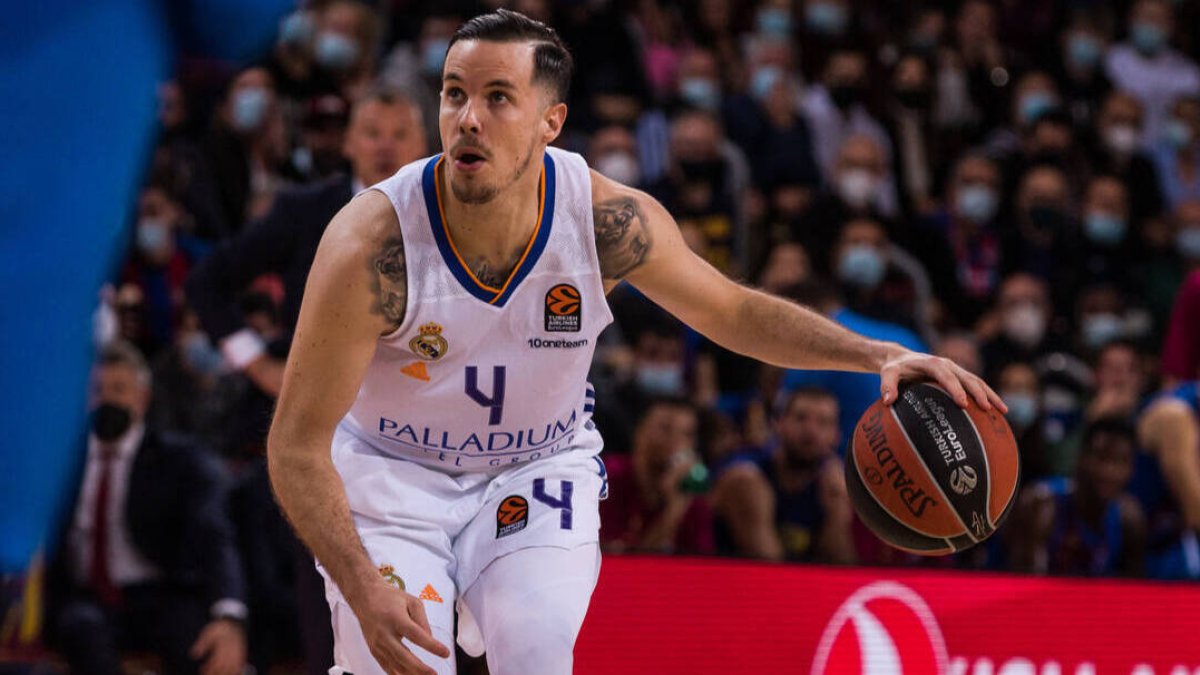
(1011, 184)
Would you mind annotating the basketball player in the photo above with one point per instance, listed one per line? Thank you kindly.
(441, 352)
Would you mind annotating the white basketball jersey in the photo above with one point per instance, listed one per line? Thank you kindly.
(478, 378)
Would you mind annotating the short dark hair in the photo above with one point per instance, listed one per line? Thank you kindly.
(651, 403)
(552, 62)
(1109, 425)
(786, 400)
(123, 353)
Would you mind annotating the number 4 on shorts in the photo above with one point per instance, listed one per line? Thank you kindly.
(562, 502)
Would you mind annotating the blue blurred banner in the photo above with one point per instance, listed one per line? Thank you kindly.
(78, 123)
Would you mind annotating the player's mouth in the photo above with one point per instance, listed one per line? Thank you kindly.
(469, 160)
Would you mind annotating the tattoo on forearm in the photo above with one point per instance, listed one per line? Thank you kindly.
(390, 282)
(622, 238)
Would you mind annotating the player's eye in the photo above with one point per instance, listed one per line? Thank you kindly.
(454, 93)
(499, 97)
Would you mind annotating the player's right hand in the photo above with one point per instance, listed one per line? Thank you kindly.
(387, 617)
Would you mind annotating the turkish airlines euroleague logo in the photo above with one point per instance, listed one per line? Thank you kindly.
(563, 309)
(884, 628)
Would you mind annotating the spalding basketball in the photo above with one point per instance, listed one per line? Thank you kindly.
(928, 476)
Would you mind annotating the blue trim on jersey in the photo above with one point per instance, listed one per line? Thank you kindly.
(491, 296)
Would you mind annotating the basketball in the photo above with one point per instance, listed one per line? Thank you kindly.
(929, 477)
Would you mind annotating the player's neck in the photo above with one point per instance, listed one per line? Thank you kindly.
(494, 229)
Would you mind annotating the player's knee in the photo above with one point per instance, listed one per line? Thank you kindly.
(534, 641)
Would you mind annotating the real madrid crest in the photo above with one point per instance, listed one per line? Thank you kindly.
(429, 343)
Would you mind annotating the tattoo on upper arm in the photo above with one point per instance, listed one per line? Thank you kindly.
(622, 237)
(390, 281)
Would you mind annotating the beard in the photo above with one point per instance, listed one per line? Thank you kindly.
(468, 193)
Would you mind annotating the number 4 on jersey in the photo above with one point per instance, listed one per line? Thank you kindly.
(563, 501)
(494, 402)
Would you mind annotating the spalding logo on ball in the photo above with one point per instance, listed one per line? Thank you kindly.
(928, 476)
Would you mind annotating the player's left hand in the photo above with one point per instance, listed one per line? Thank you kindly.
(222, 646)
(960, 384)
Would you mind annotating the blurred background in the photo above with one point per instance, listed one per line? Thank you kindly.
(1012, 184)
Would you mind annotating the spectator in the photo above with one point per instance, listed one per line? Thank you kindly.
(384, 135)
(647, 508)
(613, 153)
(1040, 241)
(1178, 153)
(1089, 526)
(159, 267)
(318, 155)
(880, 280)
(1167, 482)
(789, 502)
(959, 244)
(787, 264)
(1103, 317)
(963, 349)
(836, 110)
(1080, 70)
(148, 559)
(346, 46)
(858, 180)
(706, 186)
(1017, 383)
(1108, 234)
(1019, 324)
(246, 147)
(1146, 66)
(919, 159)
(1117, 151)
(979, 67)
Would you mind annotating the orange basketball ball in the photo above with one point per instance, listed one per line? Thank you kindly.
(928, 476)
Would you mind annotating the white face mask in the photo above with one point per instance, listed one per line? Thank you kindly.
(857, 187)
(1025, 324)
(1121, 139)
(619, 166)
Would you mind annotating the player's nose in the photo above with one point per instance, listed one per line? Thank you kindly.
(468, 120)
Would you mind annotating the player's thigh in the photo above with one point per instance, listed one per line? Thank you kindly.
(529, 605)
(410, 565)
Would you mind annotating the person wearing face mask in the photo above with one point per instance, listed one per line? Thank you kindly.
(651, 506)
(1116, 149)
(1109, 237)
(1080, 70)
(789, 502)
(1045, 230)
(158, 267)
(613, 153)
(959, 243)
(1148, 67)
(863, 262)
(836, 110)
(1019, 324)
(910, 126)
(147, 560)
(245, 148)
(1177, 154)
(343, 46)
(1021, 391)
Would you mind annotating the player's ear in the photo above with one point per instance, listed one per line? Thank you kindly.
(552, 121)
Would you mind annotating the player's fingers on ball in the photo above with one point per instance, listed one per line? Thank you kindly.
(890, 379)
(977, 390)
(995, 398)
(950, 382)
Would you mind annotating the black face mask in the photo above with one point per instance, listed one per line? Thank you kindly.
(1048, 219)
(844, 95)
(111, 421)
(914, 99)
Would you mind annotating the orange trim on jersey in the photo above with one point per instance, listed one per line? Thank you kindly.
(499, 292)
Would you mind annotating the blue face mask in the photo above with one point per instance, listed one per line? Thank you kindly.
(662, 379)
(827, 18)
(775, 21)
(700, 92)
(296, 28)
(764, 81)
(433, 56)
(1148, 37)
(249, 108)
(1177, 134)
(1022, 409)
(1035, 105)
(1187, 242)
(861, 266)
(977, 203)
(1084, 51)
(335, 51)
(1100, 329)
(200, 354)
(1104, 228)
(152, 235)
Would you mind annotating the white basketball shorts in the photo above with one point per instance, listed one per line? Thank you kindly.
(432, 533)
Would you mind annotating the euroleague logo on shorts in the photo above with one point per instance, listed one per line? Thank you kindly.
(512, 515)
(883, 627)
(564, 309)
